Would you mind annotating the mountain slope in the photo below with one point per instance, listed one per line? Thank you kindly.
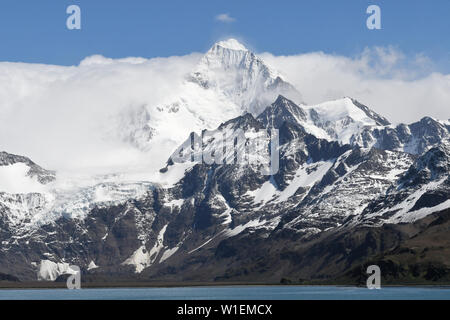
(415, 138)
(424, 187)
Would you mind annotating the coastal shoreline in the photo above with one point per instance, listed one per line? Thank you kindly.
(145, 285)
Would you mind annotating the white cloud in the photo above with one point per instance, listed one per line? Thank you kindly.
(225, 18)
(64, 117)
(400, 88)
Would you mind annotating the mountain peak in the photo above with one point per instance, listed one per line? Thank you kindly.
(282, 100)
(231, 44)
(282, 110)
(241, 76)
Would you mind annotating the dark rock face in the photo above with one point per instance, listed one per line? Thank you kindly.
(8, 277)
(282, 111)
(420, 255)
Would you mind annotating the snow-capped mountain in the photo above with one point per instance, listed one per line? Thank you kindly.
(340, 167)
(232, 70)
(228, 81)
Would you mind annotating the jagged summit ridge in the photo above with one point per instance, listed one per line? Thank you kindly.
(232, 44)
(282, 110)
(341, 120)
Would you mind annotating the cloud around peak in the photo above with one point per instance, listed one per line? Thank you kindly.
(59, 115)
(402, 88)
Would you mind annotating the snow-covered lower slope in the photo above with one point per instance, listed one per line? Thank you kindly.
(142, 258)
(50, 271)
(348, 188)
(31, 196)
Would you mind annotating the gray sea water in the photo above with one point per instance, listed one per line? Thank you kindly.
(233, 293)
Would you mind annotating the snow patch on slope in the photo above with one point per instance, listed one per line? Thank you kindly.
(50, 271)
(14, 179)
(403, 210)
(92, 266)
(142, 258)
(265, 193)
(306, 176)
(401, 217)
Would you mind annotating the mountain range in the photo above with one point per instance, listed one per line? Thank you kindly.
(351, 189)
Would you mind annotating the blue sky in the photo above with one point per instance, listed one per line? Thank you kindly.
(35, 31)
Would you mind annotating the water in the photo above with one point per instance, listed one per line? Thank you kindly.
(232, 293)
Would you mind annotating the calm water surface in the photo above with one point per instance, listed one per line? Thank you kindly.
(232, 293)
